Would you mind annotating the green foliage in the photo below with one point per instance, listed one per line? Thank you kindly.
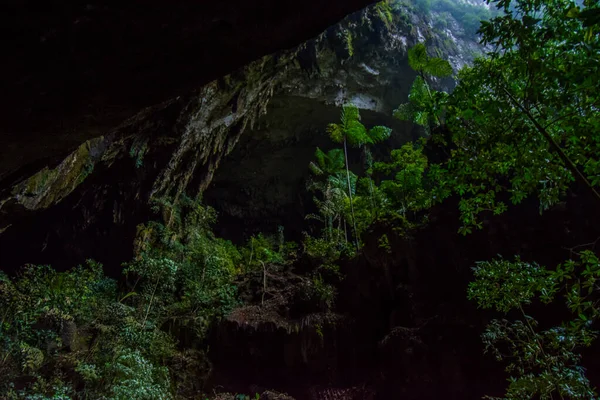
(183, 273)
(468, 15)
(524, 121)
(413, 187)
(541, 362)
(385, 12)
(349, 40)
(322, 292)
(329, 182)
(505, 285)
(384, 243)
(424, 64)
(73, 334)
(40, 303)
(262, 250)
(353, 131)
(425, 107)
(137, 152)
(423, 6)
(350, 131)
(136, 378)
(329, 163)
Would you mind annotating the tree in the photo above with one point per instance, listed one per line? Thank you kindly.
(543, 362)
(525, 119)
(329, 178)
(409, 189)
(352, 131)
(424, 106)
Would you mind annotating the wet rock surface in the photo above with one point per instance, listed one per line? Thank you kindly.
(177, 145)
(74, 70)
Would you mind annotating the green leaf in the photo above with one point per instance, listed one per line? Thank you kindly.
(438, 67)
(378, 134)
(417, 57)
(404, 112)
(335, 133)
(573, 12)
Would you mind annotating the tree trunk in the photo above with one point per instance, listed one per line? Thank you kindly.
(350, 194)
(368, 157)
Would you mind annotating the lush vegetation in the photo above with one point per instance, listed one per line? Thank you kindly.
(468, 15)
(81, 334)
(523, 122)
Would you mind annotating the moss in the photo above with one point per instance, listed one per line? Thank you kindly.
(349, 42)
(385, 12)
(137, 151)
(36, 183)
(49, 186)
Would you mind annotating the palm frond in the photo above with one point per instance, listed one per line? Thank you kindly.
(350, 114)
(320, 156)
(356, 133)
(315, 217)
(336, 161)
(404, 112)
(419, 92)
(315, 169)
(378, 134)
(336, 133)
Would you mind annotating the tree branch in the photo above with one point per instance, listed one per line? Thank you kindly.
(563, 156)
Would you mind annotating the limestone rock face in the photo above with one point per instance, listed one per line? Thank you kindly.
(261, 184)
(90, 201)
(74, 70)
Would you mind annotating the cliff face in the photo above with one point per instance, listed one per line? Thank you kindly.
(244, 141)
(91, 201)
(261, 184)
(73, 71)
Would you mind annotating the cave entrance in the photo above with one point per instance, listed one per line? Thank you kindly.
(261, 185)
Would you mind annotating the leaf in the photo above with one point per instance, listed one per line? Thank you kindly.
(404, 112)
(350, 114)
(589, 34)
(379, 134)
(335, 160)
(438, 67)
(419, 93)
(573, 12)
(335, 133)
(130, 294)
(314, 168)
(417, 57)
(320, 156)
(356, 133)
(422, 118)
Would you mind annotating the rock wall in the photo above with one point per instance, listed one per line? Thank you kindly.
(91, 201)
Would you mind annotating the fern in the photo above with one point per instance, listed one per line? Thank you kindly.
(424, 105)
(378, 134)
(349, 42)
(385, 13)
(335, 133)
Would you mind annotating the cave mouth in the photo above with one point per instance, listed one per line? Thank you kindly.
(261, 185)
